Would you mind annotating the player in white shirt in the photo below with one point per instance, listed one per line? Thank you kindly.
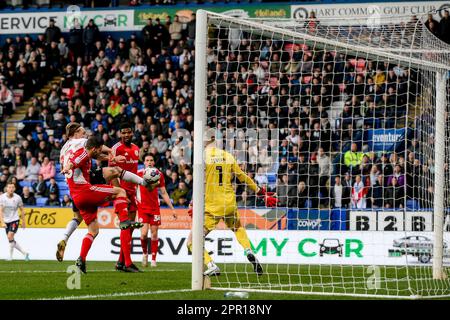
(10, 204)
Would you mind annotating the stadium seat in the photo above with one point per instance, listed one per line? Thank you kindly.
(40, 202)
(25, 183)
(412, 204)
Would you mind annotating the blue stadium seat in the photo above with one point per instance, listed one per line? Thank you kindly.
(58, 167)
(412, 204)
(40, 202)
(62, 185)
(25, 183)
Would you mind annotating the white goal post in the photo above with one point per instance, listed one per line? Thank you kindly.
(349, 126)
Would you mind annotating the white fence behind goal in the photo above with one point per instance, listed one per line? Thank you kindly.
(348, 125)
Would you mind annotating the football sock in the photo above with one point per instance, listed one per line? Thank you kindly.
(242, 238)
(19, 248)
(206, 257)
(144, 245)
(125, 244)
(154, 248)
(131, 177)
(86, 245)
(70, 228)
(11, 248)
(121, 207)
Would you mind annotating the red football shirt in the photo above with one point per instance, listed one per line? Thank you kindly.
(148, 201)
(78, 178)
(131, 154)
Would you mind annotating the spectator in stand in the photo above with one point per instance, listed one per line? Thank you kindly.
(53, 200)
(52, 33)
(91, 35)
(325, 171)
(28, 197)
(445, 27)
(376, 193)
(20, 170)
(40, 187)
(180, 194)
(7, 158)
(394, 195)
(53, 187)
(173, 183)
(282, 191)
(67, 202)
(353, 158)
(33, 170)
(298, 197)
(339, 194)
(47, 169)
(175, 29)
(359, 192)
(398, 175)
(76, 39)
(7, 102)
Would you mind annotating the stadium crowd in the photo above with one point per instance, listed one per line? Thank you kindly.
(319, 160)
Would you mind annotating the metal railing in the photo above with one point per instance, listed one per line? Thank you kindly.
(15, 123)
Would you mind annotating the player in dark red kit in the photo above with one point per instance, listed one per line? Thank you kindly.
(149, 213)
(130, 151)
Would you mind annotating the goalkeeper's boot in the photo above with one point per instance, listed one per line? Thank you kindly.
(81, 265)
(256, 265)
(119, 266)
(131, 268)
(212, 270)
(145, 260)
(61, 247)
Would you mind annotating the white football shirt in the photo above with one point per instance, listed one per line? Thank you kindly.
(10, 207)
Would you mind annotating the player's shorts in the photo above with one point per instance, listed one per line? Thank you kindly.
(12, 226)
(232, 221)
(150, 218)
(90, 198)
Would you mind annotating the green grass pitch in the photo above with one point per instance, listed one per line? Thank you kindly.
(171, 281)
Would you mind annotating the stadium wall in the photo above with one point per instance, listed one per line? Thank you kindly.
(122, 22)
(280, 247)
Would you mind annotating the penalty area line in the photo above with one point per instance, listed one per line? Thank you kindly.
(116, 295)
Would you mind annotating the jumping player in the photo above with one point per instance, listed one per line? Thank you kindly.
(220, 200)
(130, 152)
(88, 197)
(149, 212)
(10, 204)
(76, 136)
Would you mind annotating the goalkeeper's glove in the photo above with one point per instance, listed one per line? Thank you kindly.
(269, 197)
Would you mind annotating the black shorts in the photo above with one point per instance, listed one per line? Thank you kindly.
(12, 227)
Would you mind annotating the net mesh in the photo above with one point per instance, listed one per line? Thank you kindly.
(339, 122)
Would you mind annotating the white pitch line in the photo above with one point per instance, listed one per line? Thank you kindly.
(89, 271)
(115, 295)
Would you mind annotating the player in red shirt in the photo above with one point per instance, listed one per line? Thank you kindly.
(88, 197)
(130, 151)
(149, 213)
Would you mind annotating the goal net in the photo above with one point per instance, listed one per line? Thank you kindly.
(347, 124)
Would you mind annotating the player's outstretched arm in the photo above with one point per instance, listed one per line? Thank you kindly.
(166, 199)
(269, 198)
